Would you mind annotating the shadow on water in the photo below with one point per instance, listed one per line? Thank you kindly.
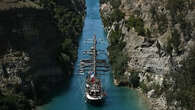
(62, 88)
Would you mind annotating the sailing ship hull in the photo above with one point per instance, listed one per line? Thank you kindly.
(98, 101)
(94, 92)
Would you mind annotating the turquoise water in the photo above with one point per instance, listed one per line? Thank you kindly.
(118, 98)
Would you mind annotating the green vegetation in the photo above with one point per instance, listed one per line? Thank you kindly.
(14, 103)
(183, 90)
(148, 33)
(69, 23)
(176, 6)
(103, 1)
(138, 24)
(178, 10)
(144, 87)
(134, 79)
(50, 36)
(184, 87)
(162, 22)
(116, 15)
(118, 60)
(157, 88)
(185, 82)
(160, 18)
(169, 47)
(115, 3)
(173, 42)
(67, 54)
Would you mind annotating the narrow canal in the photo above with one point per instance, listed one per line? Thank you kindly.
(118, 98)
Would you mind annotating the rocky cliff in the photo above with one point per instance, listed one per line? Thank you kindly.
(38, 47)
(152, 49)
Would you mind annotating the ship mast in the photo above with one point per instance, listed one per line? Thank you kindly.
(94, 54)
(92, 65)
(93, 90)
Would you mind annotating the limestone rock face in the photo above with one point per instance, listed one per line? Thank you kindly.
(157, 55)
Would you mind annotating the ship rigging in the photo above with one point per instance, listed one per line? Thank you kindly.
(94, 92)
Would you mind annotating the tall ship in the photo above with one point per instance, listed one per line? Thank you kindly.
(94, 68)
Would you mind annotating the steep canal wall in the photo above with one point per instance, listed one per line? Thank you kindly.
(38, 48)
(152, 49)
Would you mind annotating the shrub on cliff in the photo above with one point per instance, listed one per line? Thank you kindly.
(184, 88)
(118, 60)
(14, 103)
(176, 6)
(69, 23)
(160, 18)
(118, 63)
(144, 87)
(134, 79)
(187, 81)
(173, 42)
(117, 15)
(67, 54)
(137, 23)
(115, 3)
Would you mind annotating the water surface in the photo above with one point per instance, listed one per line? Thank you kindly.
(118, 98)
